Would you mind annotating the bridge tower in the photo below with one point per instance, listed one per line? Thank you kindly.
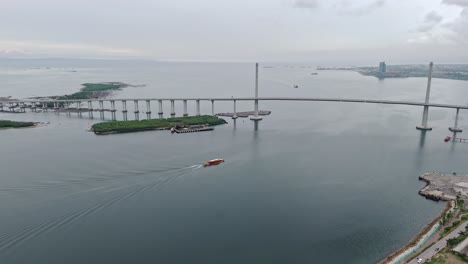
(423, 125)
(256, 117)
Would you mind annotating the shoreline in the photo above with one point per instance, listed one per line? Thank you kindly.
(399, 255)
(419, 239)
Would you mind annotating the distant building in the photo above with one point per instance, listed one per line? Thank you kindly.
(382, 67)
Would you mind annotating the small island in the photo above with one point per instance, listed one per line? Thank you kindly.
(115, 127)
(15, 124)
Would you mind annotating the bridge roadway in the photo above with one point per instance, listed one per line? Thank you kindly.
(305, 99)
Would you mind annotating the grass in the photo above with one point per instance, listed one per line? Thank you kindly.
(15, 124)
(152, 124)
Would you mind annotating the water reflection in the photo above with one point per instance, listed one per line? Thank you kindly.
(420, 152)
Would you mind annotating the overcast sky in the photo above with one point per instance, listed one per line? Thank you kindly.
(335, 31)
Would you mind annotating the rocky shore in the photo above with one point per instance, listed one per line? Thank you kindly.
(444, 187)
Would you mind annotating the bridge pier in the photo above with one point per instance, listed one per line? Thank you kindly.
(44, 107)
(78, 109)
(101, 109)
(90, 110)
(160, 113)
(124, 110)
(172, 108)
(148, 109)
(137, 112)
(198, 107)
(185, 108)
(234, 114)
(23, 107)
(256, 117)
(425, 116)
(212, 108)
(455, 128)
(113, 110)
(1, 107)
(56, 108)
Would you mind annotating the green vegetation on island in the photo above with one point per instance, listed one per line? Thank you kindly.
(442, 71)
(15, 124)
(114, 127)
(92, 91)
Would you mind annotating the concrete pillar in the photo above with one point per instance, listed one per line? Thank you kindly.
(212, 108)
(78, 108)
(67, 108)
(160, 113)
(101, 109)
(148, 109)
(137, 112)
(198, 107)
(185, 108)
(256, 117)
(44, 107)
(234, 114)
(1, 107)
(124, 110)
(113, 110)
(172, 109)
(23, 107)
(425, 116)
(455, 127)
(90, 109)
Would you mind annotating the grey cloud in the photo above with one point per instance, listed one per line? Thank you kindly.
(459, 26)
(456, 2)
(431, 20)
(308, 4)
(348, 8)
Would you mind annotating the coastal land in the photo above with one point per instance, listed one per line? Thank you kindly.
(445, 238)
(115, 127)
(442, 71)
(15, 124)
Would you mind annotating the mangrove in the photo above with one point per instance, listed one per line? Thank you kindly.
(114, 127)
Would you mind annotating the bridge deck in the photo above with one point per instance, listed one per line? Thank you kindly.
(305, 99)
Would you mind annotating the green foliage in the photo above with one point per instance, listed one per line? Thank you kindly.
(91, 87)
(456, 240)
(132, 126)
(450, 228)
(88, 92)
(15, 124)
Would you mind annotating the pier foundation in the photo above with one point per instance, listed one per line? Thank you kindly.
(185, 108)
(234, 114)
(172, 108)
(124, 110)
(455, 128)
(113, 110)
(136, 111)
(90, 110)
(148, 109)
(160, 113)
(78, 108)
(198, 107)
(212, 108)
(256, 117)
(101, 109)
(425, 116)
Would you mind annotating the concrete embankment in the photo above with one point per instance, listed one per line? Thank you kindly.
(440, 187)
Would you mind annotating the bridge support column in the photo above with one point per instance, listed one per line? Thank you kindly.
(1, 107)
(23, 107)
(256, 117)
(56, 107)
(148, 109)
(212, 108)
(425, 116)
(78, 108)
(124, 110)
(113, 110)
(101, 109)
(44, 107)
(172, 108)
(185, 108)
(137, 112)
(234, 114)
(455, 127)
(198, 107)
(160, 113)
(90, 110)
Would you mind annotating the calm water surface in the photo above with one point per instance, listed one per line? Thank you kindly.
(312, 183)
